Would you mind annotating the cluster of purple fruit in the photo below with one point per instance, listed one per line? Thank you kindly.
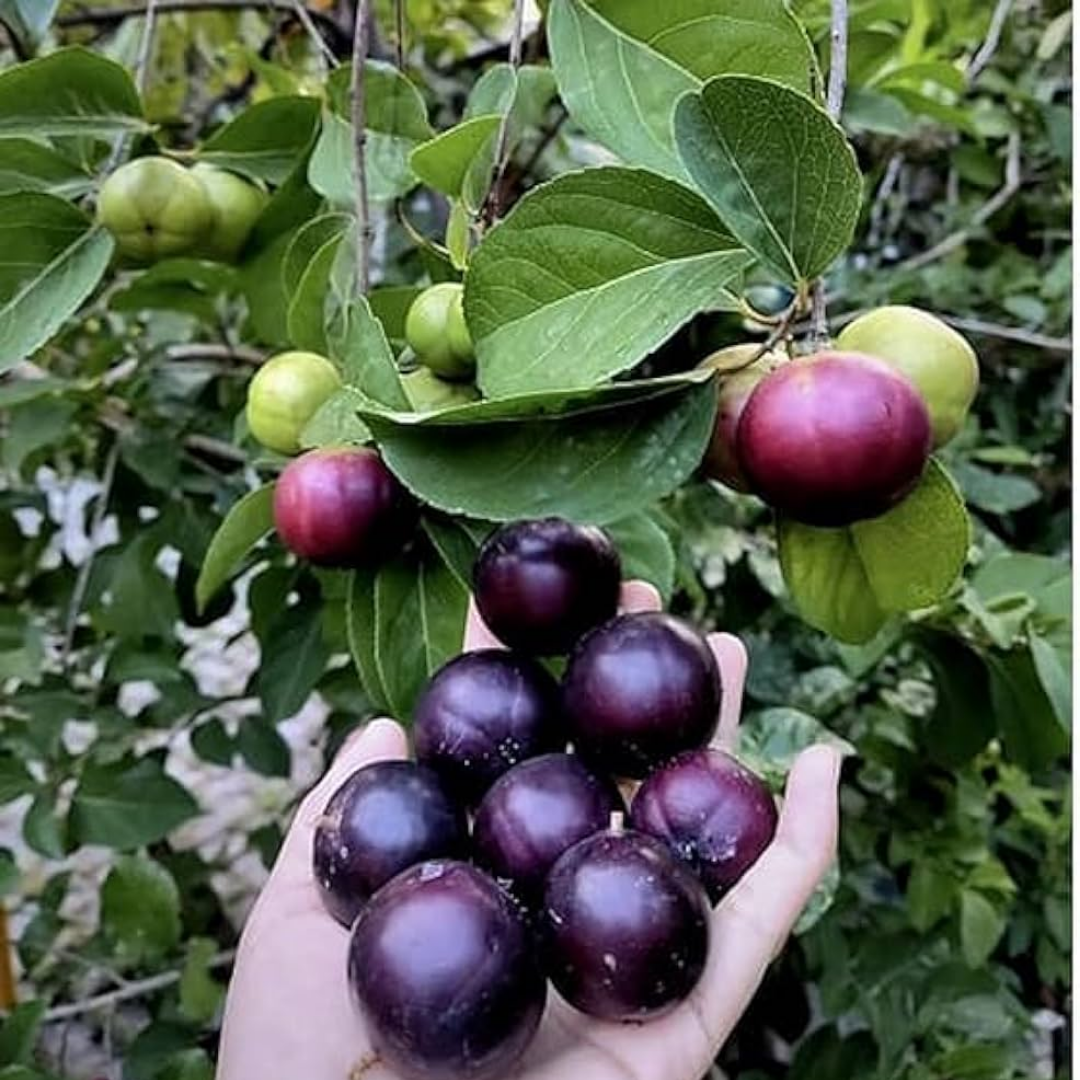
(455, 931)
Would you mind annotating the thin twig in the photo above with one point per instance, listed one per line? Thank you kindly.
(133, 990)
(993, 39)
(881, 199)
(312, 31)
(139, 77)
(399, 34)
(82, 581)
(359, 125)
(547, 137)
(242, 354)
(491, 208)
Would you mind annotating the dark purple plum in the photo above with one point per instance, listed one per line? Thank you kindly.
(442, 966)
(386, 817)
(639, 690)
(627, 927)
(540, 585)
(481, 714)
(834, 438)
(535, 812)
(712, 812)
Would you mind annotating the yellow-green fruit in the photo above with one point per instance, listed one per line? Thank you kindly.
(155, 209)
(236, 205)
(285, 394)
(426, 391)
(435, 328)
(938, 360)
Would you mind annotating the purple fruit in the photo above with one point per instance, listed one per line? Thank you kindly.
(639, 690)
(534, 812)
(834, 438)
(442, 966)
(482, 713)
(627, 926)
(540, 585)
(712, 812)
(386, 817)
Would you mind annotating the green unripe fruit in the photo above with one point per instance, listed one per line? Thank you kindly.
(426, 391)
(939, 361)
(285, 394)
(155, 209)
(435, 328)
(236, 205)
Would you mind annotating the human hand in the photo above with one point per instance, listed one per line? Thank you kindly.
(290, 1013)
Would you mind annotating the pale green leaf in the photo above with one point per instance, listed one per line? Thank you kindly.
(246, 523)
(981, 927)
(26, 165)
(266, 140)
(140, 908)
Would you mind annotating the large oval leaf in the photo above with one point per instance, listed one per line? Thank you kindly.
(266, 140)
(622, 65)
(777, 169)
(26, 165)
(51, 259)
(588, 275)
(246, 523)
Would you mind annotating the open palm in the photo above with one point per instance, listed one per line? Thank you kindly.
(290, 1014)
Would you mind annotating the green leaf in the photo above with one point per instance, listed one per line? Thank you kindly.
(306, 320)
(306, 244)
(821, 899)
(789, 188)
(262, 747)
(294, 656)
(358, 343)
(360, 628)
(646, 552)
(458, 541)
(69, 92)
(590, 465)
(200, 994)
(212, 742)
(15, 780)
(443, 162)
(931, 893)
(42, 829)
(1030, 728)
(19, 1033)
(771, 739)
(128, 804)
(246, 523)
(9, 873)
(52, 258)
(981, 927)
(589, 274)
(266, 140)
(1054, 676)
(622, 65)
(26, 165)
(140, 908)
(995, 493)
(335, 423)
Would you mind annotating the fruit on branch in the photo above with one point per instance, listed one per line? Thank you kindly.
(386, 817)
(627, 927)
(834, 438)
(721, 459)
(154, 208)
(939, 361)
(482, 713)
(713, 813)
(442, 967)
(540, 585)
(285, 394)
(535, 812)
(435, 328)
(639, 690)
(236, 205)
(426, 391)
(342, 507)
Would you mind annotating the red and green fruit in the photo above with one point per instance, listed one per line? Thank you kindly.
(342, 507)
(442, 966)
(435, 329)
(939, 361)
(712, 812)
(236, 205)
(155, 209)
(834, 438)
(386, 817)
(639, 690)
(627, 927)
(285, 394)
(540, 585)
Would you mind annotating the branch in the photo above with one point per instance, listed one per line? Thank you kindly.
(242, 354)
(312, 31)
(993, 38)
(359, 126)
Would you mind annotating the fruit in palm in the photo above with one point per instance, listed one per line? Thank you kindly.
(285, 394)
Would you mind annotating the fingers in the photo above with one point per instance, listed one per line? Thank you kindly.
(477, 635)
(731, 655)
(637, 596)
(756, 917)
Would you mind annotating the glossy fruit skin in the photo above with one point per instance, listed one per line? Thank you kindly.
(442, 967)
(386, 817)
(713, 813)
(427, 392)
(285, 393)
(834, 438)
(721, 460)
(627, 927)
(482, 713)
(236, 204)
(639, 690)
(535, 812)
(540, 585)
(435, 328)
(939, 361)
(155, 209)
(342, 507)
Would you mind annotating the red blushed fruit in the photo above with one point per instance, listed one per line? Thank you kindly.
(713, 813)
(834, 438)
(342, 508)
